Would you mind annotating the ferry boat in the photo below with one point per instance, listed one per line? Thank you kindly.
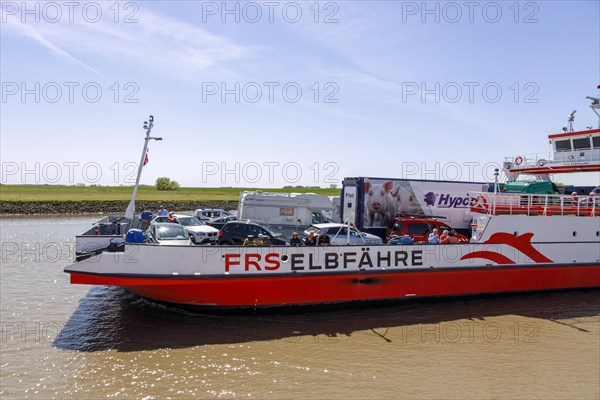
(520, 242)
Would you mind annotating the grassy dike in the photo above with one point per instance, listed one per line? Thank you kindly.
(50, 199)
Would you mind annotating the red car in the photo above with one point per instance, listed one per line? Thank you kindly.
(420, 228)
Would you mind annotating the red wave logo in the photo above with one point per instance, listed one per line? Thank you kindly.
(521, 243)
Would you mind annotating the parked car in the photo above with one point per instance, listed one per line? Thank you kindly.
(401, 240)
(168, 233)
(338, 234)
(204, 214)
(419, 229)
(218, 223)
(235, 232)
(199, 233)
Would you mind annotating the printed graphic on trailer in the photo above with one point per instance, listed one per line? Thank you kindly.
(383, 198)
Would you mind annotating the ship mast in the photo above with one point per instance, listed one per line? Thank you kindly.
(148, 127)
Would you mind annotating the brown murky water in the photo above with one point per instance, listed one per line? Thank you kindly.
(71, 341)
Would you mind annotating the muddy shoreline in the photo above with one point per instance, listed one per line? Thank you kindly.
(104, 207)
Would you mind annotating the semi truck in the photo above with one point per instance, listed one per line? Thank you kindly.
(371, 204)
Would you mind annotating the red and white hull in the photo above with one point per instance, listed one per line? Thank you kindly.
(511, 256)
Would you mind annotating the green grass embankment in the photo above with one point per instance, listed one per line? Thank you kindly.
(46, 199)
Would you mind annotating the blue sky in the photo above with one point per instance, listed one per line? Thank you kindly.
(436, 90)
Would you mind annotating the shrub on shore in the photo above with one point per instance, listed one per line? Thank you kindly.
(166, 184)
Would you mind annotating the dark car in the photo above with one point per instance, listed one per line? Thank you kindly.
(220, 222)
(401, 240)
(235, 232)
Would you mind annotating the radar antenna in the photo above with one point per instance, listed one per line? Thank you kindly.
(571, 119)
(595, 106)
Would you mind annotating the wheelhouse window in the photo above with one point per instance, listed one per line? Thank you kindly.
(563, 145)
(596, 142)
(581, 144)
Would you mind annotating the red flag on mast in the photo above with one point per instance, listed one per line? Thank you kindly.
(146, 158)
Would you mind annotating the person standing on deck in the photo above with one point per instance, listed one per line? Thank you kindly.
(162, 212)
(434, 238)
(311, 240)
(591, 201)
(445, 238)
(324, 239)
(295, 240)
(574, 201)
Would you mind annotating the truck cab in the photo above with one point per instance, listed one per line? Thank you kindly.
(419, 228)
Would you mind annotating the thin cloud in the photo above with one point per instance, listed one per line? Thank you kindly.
(160, 43)
(30, 32)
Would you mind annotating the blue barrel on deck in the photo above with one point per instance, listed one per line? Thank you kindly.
(134, 236)
(146, 215)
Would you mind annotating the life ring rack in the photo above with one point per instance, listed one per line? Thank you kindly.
(479, 203)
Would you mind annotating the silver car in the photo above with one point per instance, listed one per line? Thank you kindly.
(338, 234)
(168, 233)
(199, 232)
(204, 214)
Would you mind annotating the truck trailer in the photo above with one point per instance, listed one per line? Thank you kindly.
(372, 203)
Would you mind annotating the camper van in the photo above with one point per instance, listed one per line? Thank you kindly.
(293, 210)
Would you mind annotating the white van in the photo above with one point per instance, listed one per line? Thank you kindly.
(287, 209)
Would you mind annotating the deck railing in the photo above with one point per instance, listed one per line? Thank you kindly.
(533, 204)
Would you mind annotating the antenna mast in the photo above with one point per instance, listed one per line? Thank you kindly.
(148, 127)
(571, 119)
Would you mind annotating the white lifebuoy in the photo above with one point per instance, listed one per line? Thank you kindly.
(518, 160)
